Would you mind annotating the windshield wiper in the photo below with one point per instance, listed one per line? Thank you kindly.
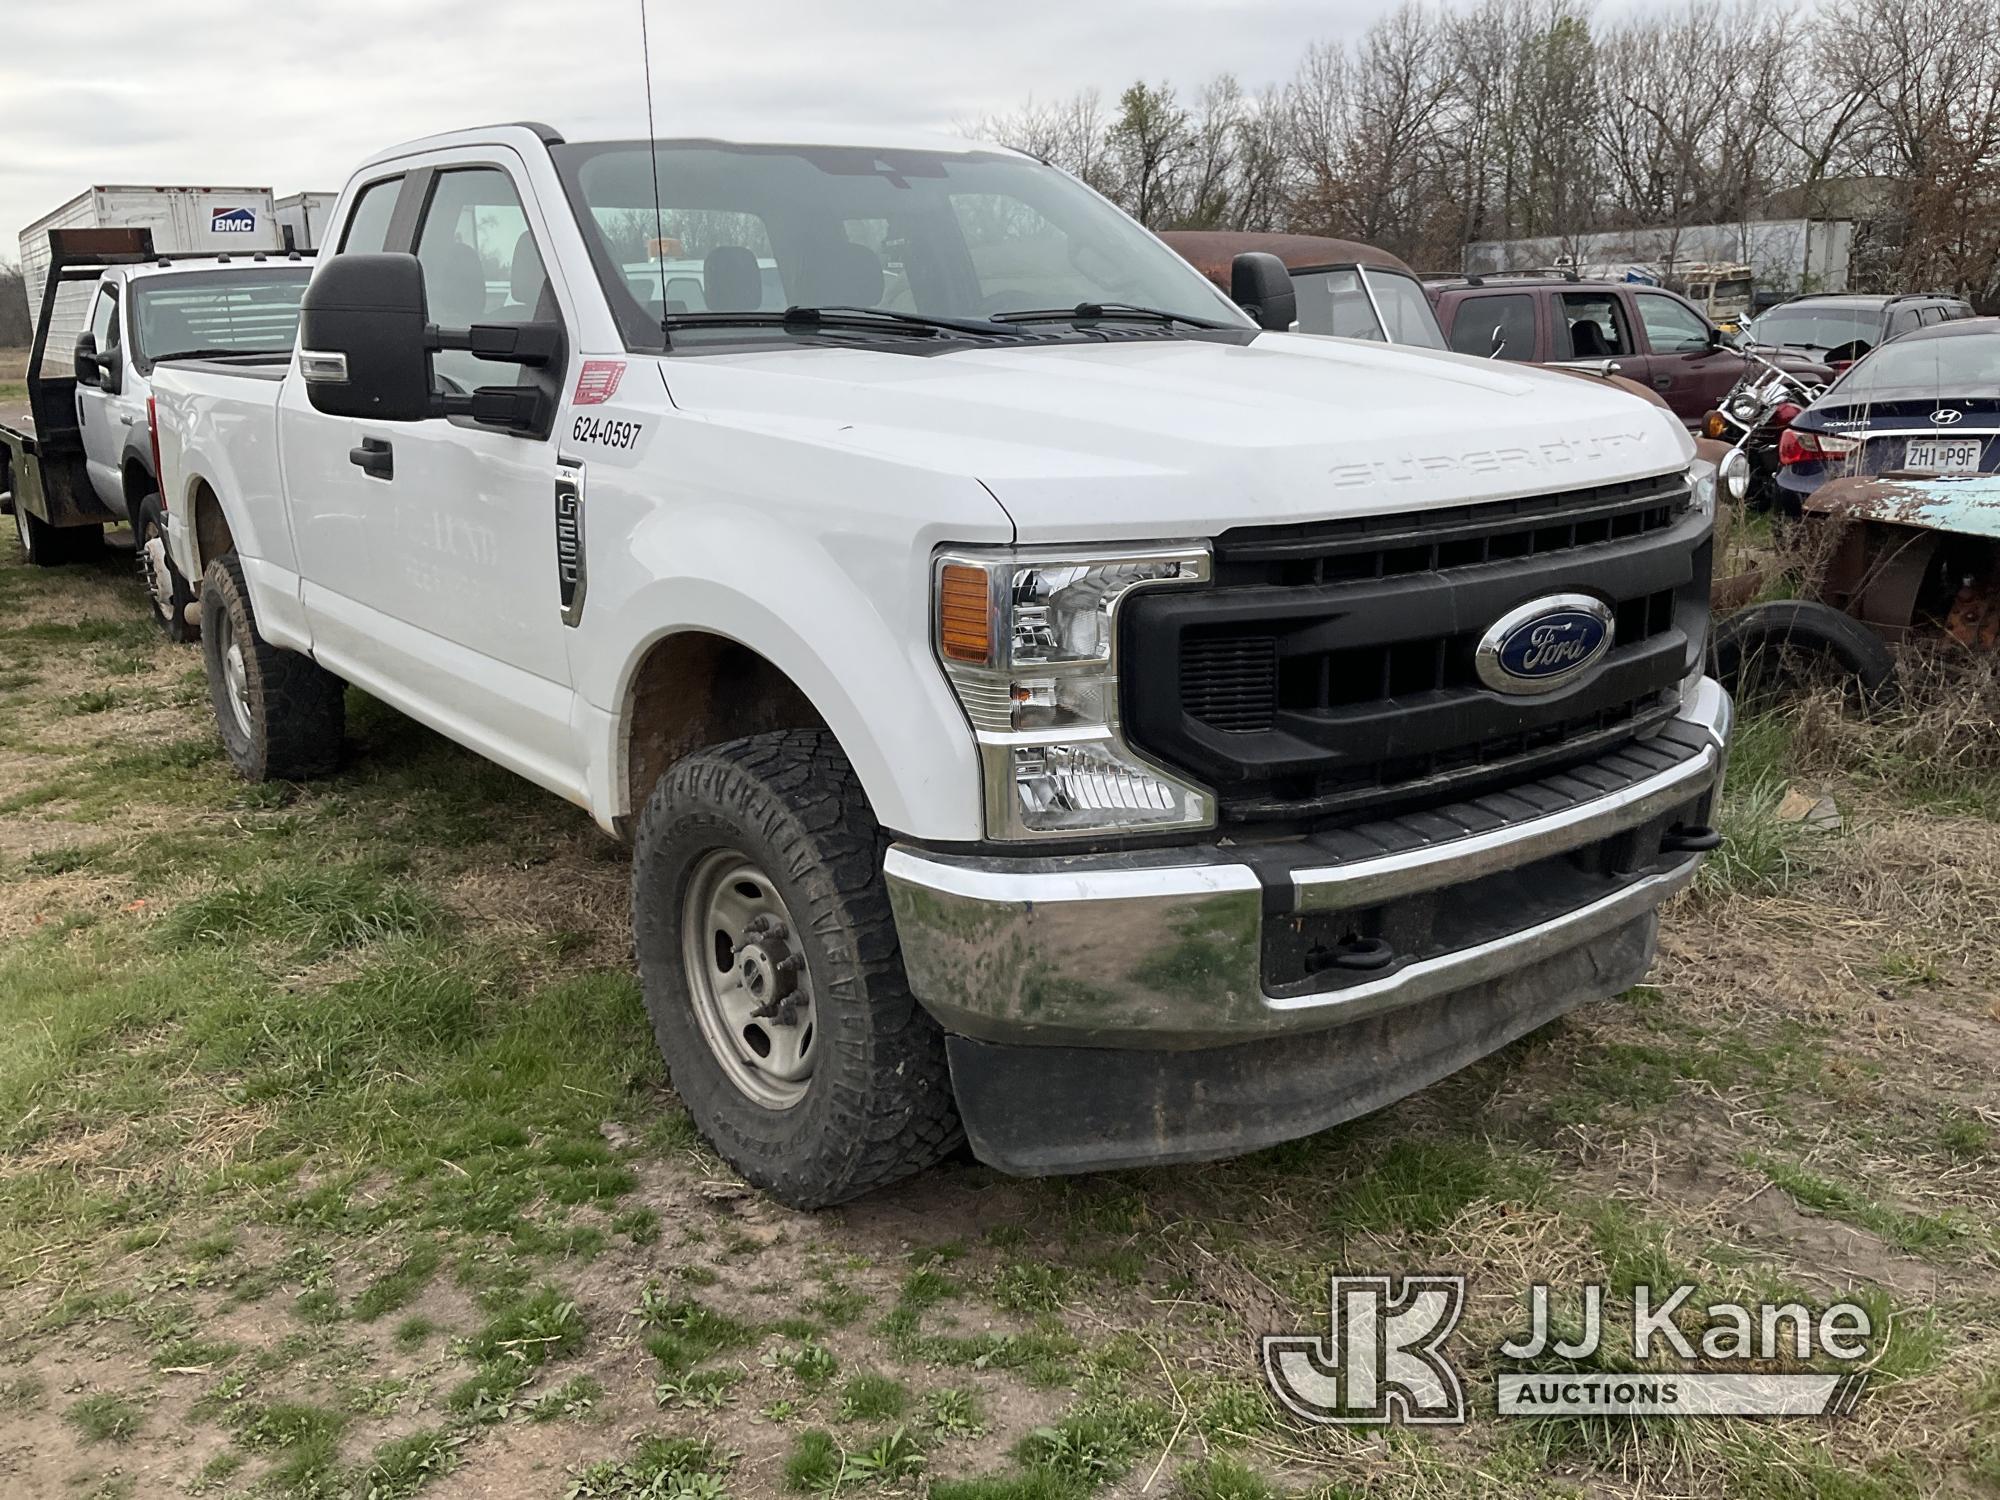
(878, 319)
(1104, 312)
(221, 354)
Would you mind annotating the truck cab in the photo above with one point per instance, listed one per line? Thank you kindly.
(89, 440)
(1050, 704)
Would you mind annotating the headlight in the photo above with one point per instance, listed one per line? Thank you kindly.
(1029, 641)
(1701, 487)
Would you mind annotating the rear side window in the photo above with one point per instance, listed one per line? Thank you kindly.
(1508, 320)
(368, 226)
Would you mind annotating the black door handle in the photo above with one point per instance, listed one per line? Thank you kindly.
(1663, 382)
(374, 457)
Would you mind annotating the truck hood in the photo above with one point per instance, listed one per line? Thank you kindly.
(1186, 437)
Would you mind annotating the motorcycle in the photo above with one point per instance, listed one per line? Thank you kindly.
(1759, 407)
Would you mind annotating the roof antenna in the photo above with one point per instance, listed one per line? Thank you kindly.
(653, 156)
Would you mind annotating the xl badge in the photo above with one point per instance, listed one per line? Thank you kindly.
(1544, 644)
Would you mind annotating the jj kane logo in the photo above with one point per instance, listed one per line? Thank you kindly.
(1384, 1359)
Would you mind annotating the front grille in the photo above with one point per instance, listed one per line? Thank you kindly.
(1461, 536)
(1330, 667)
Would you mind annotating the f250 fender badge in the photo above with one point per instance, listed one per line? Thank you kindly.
(572, 570)
(1544, 644)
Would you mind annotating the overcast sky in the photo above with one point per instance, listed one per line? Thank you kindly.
(290, 94)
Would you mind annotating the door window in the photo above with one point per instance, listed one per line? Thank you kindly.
(1593, 326)
(1472, 328)
(104, 319)
(368, 226)
(480, 265)
(1671, 327)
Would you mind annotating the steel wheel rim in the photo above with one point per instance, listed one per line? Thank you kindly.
(153, 563)
(749, 982)
(235, 673)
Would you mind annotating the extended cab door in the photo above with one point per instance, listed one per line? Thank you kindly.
(101, 416)
(428, 549)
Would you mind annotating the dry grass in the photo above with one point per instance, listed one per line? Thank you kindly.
(227, 1142)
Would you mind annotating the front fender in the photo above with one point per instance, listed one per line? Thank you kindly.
(874, 682)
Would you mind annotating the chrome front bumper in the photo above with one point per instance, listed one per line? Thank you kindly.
(1167, 948)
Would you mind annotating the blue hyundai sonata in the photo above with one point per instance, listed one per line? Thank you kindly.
(1924, 405)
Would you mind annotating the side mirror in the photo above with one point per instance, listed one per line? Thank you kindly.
(363, 350)
(110, 370)
(1262, 287)
(366, 340)
(86, 359)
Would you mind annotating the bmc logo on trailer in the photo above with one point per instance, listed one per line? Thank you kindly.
(232, 221)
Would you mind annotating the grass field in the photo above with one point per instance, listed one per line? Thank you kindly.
(335, 1159)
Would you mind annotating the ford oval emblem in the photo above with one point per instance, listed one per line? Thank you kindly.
(1544, 644)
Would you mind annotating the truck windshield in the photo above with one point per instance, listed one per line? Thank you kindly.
(1390, 308)
(254, 310)
(953, 235)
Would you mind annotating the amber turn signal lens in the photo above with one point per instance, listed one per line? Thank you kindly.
(965, 621)
(1715, 425)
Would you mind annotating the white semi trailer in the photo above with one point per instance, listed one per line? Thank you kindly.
(183, 221)
(303, 217)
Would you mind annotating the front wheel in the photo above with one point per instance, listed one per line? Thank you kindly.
(166, 590)
(772, 975)
(281, 714)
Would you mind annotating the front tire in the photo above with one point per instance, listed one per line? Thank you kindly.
(166, 590)
(772, 975)
(281, 714)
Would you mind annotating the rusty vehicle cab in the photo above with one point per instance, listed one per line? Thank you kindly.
(1345, 289)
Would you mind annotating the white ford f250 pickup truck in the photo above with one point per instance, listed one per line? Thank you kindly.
(1044, 704)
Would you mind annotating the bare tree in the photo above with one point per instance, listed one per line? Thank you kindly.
(1520, 118)
(17, 324)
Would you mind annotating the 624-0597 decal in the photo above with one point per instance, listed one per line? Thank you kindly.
(606, 432)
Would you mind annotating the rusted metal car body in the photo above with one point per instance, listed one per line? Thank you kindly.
(1909, 554)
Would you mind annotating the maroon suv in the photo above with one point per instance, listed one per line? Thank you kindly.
(1653, 336)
